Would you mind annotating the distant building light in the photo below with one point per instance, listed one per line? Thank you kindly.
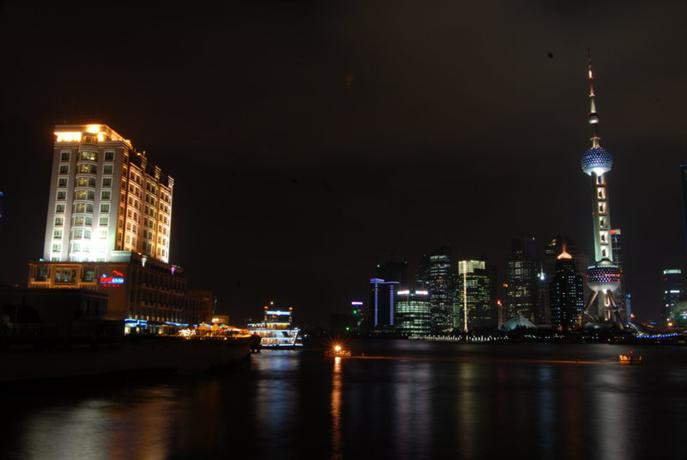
(421, 292)
(278, 312)
(406, 292)
(672, 271)
(356, 302)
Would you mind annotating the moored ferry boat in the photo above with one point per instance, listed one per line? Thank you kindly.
(277, 329)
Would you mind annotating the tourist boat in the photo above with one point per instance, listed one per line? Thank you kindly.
(337, 351)
(276, 329)
(630, 358)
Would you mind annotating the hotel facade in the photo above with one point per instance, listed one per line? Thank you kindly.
(109, 227)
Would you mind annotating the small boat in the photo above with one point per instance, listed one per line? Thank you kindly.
(630, 358)
(337, 351)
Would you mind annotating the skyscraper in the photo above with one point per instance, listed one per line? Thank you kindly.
(567, 296)
(382, 303)
(604, 276)
(413, 317)
(521, 294)
(673, 292)
(473, 308)
(437, 276)
(617, 247)
(106, 199)
(683, 175)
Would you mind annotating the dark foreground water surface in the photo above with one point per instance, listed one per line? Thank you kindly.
(402, 400)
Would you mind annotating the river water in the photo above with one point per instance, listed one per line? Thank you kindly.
(401, 400)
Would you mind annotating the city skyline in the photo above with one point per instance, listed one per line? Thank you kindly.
(298, 200)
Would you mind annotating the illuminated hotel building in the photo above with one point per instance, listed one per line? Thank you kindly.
(108, 229)
(413, 317)
(106, 199)
(604, 277)
(473, 307)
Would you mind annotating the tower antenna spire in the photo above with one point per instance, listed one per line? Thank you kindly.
(593, 115)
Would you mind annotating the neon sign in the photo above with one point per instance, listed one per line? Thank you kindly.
(116, 278)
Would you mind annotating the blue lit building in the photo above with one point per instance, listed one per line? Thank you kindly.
(382, 303)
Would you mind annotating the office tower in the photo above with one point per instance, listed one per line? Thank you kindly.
(382, 303)
(683, 174)
(617, 249)
(551, 252)
(673, 292)
(437, 276)
(567, 296)
(108, 229)
(521, 294)
(106, 199)
(473, 307)
(413, 317)
(604, 277)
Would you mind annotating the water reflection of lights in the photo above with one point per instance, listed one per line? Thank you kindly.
(136, 427)
(336, 409)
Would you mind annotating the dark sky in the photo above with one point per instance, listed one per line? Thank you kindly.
(310, 140)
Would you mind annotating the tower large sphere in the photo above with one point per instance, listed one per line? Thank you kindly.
(603, 277)
(597, 160)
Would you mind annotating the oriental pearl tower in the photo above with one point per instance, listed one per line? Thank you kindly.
(604, 276)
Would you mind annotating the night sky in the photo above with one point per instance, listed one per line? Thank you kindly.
(311, 140)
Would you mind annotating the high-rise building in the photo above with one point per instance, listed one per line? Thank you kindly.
(617, 248)
(413, 317)
(522, 293)
(106, 199)
(673, 292)
(683, 175)
(382, 303)
(604, 277)
(437, 276)
(567, 296)
(551, 252)
(473, 307)
(108, 229)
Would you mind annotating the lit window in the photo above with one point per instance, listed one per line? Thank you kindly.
(59, 208)
(56, 247)
(59, 221)
(57, 234)
(87, 169)
(103, 221)
(90, 156)
(105, 208)
(103, 234)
